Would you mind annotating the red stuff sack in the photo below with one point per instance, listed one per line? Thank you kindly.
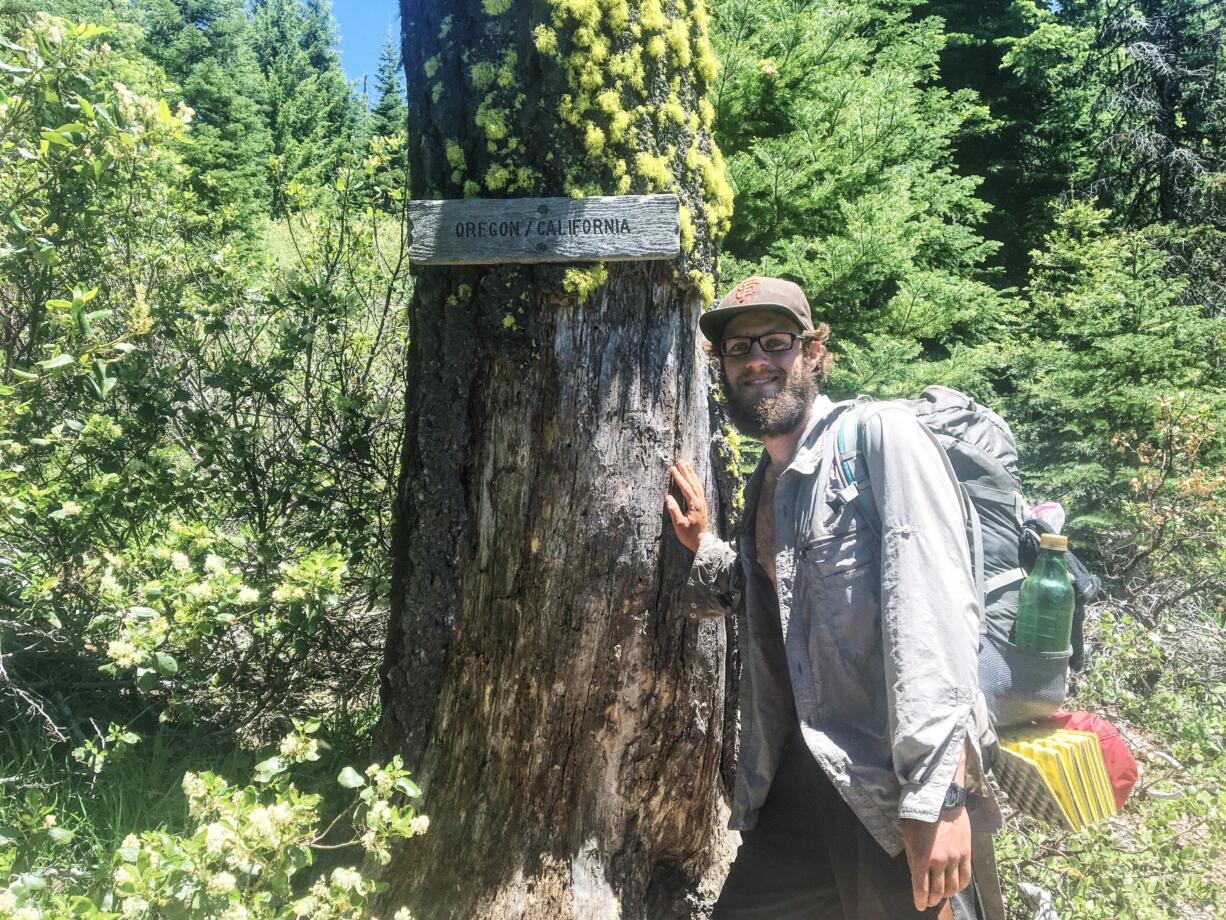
(1121, 766)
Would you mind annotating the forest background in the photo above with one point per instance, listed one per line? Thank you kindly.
(203, 279)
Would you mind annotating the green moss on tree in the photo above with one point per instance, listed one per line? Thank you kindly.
(633, 117)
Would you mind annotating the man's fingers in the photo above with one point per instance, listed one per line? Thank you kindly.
(919, 885)
(964, 872)
(682, 486)
(687, 482)
(674, 511)
(952, 879)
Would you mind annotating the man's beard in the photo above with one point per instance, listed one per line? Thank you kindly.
(768, 416)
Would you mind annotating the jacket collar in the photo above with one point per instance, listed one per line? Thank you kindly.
(807, 454)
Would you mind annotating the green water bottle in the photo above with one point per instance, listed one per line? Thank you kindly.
(1045, 607)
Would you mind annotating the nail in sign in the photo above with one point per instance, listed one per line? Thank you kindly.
(477, 231)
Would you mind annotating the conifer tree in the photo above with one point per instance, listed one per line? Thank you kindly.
(311, 110)
(389, 115)
(841, 149)
(205, 48)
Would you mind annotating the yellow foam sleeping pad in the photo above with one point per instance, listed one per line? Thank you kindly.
(1055, 774)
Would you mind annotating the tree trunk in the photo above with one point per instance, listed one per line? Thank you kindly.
(563, 713)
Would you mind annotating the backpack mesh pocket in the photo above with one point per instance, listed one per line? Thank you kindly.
(1020, 685)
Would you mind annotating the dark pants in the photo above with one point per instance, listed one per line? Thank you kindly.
(810, 857)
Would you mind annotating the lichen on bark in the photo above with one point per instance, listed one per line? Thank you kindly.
(630, 80)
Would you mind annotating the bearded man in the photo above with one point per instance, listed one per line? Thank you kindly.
(858, 643)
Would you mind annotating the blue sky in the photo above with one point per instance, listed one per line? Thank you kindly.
(363, 26)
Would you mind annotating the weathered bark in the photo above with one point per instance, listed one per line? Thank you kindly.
(561, 710)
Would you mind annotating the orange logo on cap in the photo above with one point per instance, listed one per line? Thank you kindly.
(746, 289)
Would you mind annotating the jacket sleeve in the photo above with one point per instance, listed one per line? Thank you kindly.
(929, 606)
(717, 570)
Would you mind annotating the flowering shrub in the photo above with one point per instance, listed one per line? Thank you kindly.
(189, 532)
(1174, 551)
(244, 854)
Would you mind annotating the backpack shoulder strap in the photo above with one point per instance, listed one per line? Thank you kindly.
(853, 476)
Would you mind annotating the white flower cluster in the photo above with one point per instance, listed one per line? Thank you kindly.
(347, 879)
(195, 789)
(299, 747)
(269, 826)
(8, 907)
(124, 653)
(383, 780)
(286, 593)
(218, 838)
(201, 591)
(51, 28)
(221, 883)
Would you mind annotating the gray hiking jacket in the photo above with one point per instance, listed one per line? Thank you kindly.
(872, 643)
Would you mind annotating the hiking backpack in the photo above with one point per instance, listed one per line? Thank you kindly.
(1018, 685)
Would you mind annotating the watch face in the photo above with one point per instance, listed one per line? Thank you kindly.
(955, 796)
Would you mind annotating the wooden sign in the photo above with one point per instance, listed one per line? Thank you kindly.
(482, 231)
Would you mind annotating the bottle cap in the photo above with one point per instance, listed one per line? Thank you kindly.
(1053, 541)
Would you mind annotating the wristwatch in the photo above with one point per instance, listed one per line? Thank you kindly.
(955, 795)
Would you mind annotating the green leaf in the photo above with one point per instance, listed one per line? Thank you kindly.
(31, 881)
(351, 778)
(265, 770)
(408, 787)
(165, 664)
(60, 360)
(46, 255)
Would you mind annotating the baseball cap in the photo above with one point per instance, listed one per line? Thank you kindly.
(756, 294)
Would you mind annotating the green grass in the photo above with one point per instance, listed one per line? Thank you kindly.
(138, 790)
(1164, 854)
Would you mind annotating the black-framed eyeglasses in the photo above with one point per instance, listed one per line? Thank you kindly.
(738, 346)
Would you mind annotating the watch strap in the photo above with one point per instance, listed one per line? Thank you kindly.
(955, 795)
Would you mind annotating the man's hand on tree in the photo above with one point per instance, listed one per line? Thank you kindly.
(939, 854)
(691, 524)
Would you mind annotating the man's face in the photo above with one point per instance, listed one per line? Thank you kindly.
(768, 393)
